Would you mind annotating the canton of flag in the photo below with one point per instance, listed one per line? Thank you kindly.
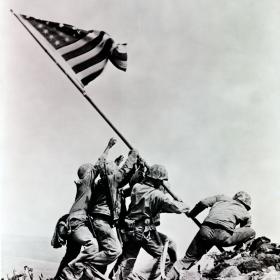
(87, 52)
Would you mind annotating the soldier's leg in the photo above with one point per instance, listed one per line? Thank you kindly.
(198, 247)
(240, 236)
(72, 251)
(127, 259)
(171, 251)
(153, 243)
(82, 236)
(109, 245)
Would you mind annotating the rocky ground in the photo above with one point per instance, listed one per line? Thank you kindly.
(261, 260)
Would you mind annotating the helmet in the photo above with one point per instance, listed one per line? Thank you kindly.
(158, 172)
(83, 169)
(244, 198)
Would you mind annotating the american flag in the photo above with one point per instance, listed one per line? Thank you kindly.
(87, 52)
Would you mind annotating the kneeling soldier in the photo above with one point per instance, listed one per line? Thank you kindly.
(218, 228)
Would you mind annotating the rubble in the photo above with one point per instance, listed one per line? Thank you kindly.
(230, 271)
(260, 260)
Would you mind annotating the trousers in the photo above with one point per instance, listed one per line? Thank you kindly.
(109, 245)
(204, 240)
(152, 242)
(81, 246)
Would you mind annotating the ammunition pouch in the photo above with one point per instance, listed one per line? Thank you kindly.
(136, 229)
(129, 224)
(61, 232)
(63, 229)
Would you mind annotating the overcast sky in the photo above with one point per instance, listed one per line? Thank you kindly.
(201, 96)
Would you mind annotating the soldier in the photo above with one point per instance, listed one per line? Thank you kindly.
(106, 206)
(218, 228)
(148, 200)
(73, 263)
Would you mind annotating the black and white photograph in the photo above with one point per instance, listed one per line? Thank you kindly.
(140, 140)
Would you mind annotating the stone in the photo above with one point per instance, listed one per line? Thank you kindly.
(272, 275)
(230, 271)
(269, 260)
(206, 264)
(270, 268)
(189, 275)
(251, 264)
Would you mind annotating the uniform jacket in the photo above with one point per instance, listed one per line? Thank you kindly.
(107, 197)
(148, 202)
(83, 194)
(225, 212)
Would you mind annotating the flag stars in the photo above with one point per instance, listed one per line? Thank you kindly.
(57, 42)
(61, 25)
(45, 31)
(51, 37)
(40, 25)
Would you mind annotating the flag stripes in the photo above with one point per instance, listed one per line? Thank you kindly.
(88, 46)
(101, 56)
(87, 52)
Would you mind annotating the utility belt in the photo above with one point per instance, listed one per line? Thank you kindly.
(101, 216)
(146, 223)
(217, 226)
(136, 229)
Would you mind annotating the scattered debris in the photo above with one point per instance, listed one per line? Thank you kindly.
(259, 261)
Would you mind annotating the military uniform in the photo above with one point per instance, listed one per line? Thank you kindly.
(218, 228)
(143, 217)
(105, 209)
(73, 261)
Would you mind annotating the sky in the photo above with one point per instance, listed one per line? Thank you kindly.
(200, 96)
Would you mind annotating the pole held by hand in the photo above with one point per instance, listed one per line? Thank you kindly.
(196, 221)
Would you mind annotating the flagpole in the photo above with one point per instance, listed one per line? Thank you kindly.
(82, 91)
(107, 120)
(49, 54)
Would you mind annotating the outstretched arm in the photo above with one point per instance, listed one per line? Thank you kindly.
(205, 203)
(124, 173)
(110, 144)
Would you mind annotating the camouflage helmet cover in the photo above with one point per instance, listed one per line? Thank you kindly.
(83, 169)
(158, 172)
(244, 198)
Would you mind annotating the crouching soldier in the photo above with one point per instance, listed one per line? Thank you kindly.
(73, 263)
(148, 200)
(218, 228)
